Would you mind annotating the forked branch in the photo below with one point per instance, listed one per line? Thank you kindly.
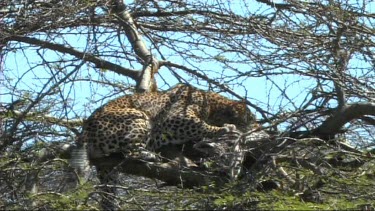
(150, 63)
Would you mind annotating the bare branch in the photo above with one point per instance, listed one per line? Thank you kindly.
(347, 113)
(99, 63)
(71, 124)
(150, 63)
(276, 5)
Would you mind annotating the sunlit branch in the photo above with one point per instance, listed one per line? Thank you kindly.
(150, 63)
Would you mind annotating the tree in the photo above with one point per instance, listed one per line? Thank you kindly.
(306, 69)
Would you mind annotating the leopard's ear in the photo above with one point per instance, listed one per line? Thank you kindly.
(240, 104)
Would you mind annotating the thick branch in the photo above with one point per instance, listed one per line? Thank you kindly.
(131, 30)
(347, 113)
(99, 63)
(171, 172)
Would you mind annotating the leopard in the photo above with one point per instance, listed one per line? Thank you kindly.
(145, 122)
(137, 126)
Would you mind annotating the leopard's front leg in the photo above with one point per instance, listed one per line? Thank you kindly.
(195, 116)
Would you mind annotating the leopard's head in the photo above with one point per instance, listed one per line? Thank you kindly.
(232, 112)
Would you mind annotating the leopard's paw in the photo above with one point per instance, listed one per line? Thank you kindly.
(148, 156)
(230, 128)
(143, 155)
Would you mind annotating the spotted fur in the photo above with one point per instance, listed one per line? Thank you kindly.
(139, 123)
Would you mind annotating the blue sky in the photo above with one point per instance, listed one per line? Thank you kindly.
(16, 63)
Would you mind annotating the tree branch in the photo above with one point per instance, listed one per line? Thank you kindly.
(40, 96)
(150, 63)
(344, 115)
(171, 172)
(43, 118)
(99, 63)
(276, 5)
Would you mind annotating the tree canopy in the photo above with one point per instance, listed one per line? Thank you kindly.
(305, 68)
